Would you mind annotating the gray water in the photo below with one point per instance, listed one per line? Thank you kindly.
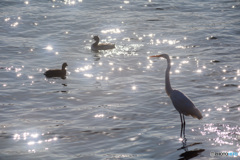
(113, 104)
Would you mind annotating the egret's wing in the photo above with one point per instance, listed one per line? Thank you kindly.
(184, 105)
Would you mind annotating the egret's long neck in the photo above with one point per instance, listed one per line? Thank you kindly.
(168, 87)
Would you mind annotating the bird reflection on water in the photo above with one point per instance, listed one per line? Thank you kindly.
(189, 154)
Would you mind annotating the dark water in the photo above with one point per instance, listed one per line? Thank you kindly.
(113, 104)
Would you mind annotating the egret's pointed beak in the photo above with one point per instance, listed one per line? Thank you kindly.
(156, 56)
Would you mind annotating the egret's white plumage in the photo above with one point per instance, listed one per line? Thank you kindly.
(180, 101)
(184, 105)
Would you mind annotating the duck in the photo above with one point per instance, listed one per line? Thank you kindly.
(57, 72)
(102, 46)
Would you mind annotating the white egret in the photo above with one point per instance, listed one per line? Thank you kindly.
(180, 101)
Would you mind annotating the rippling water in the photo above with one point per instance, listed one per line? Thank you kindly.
(113, 105)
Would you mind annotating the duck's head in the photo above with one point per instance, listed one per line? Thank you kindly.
(64, 65)
(96, 38)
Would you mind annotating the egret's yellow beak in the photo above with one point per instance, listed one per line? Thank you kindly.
(156, 56)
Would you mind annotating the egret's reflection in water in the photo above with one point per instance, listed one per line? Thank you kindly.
(189, 154)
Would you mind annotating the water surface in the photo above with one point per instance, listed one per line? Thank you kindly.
(113, 104)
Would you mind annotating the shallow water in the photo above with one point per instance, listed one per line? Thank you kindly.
(113, 104)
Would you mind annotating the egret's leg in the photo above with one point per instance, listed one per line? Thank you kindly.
(184, 126)
(181, 125)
